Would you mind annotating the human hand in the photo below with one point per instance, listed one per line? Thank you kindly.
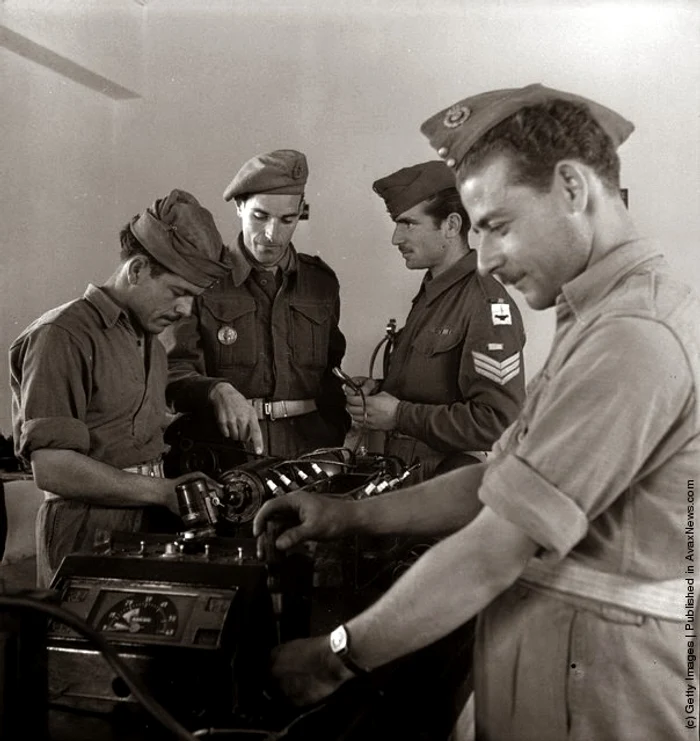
(304, 516)
(367, 384)
(235, 415)
(355, 384)
(375, 412)
(307, 671)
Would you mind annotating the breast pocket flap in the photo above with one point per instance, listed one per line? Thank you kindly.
(316, 313)
(436, 343)
(228, 312)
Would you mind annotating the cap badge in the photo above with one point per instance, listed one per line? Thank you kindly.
(297, 171)
(456, 116)
(226, 335)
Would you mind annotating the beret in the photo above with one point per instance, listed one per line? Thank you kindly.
(410, 186)
(183, 237)
(454, 130)
(283, 171)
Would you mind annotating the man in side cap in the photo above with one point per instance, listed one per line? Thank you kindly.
(455, 378)
(569, 542)
(259, 349)
(88, 383)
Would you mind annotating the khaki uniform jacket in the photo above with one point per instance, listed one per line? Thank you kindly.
(271, 339)
(456, 367)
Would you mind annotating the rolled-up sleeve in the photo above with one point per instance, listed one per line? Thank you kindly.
(588, 430)
(50, 381)
(63, 433)
(522, 496)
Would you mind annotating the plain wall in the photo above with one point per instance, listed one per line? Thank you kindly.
(348, 83)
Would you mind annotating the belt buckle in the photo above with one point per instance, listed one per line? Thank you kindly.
(267, 410)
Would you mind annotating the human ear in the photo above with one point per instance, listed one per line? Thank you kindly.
(452, 225)
(572, 183)
(137, 267)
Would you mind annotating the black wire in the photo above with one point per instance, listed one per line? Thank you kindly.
(374, 354)
(302, 459)
(363, 426)
(290, 726)
(388, 350)
(329, 449)
(131, 680)
(269, 735)
(202, 732)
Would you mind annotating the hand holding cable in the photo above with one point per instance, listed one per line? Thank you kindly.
(375, 411)
(357, 386)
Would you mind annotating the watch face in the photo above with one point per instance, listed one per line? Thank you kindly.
(339, 640)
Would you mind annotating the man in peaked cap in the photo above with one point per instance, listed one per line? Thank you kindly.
(259, 349)
(455, 378)
(88, 383)
(569, 541)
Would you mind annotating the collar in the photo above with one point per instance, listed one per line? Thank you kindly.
(109, 310)
(434, 287)
(586, 290)
(242, 262)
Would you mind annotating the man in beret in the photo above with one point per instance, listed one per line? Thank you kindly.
(88, 383)
(569, 542)
(455, 378)
(259, 349)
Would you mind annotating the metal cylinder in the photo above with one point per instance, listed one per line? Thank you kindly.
(192, 500)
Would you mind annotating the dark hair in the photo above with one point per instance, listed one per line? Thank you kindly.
(444, 203)
(538, 136)
(131, 246)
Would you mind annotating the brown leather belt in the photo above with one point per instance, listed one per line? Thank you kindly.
(273, 410)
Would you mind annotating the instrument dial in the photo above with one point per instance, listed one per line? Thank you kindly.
(141, 614)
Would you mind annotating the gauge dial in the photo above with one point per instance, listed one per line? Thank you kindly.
(141, 614)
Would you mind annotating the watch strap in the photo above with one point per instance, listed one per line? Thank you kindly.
(356, 669)
(344, 653)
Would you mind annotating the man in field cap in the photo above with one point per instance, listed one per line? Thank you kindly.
(570, 541)
(88, 383)
(455, 376)
(259, 349)
(454, 380)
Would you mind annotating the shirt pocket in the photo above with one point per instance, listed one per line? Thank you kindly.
(230, 332)
(310, 329)
(434, 362)
(434, 343)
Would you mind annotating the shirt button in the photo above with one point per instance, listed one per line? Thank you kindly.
(263, 282)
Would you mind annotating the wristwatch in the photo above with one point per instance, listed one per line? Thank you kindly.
(340, 646)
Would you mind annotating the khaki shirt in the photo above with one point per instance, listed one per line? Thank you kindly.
(598, 463)
(79, 383)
